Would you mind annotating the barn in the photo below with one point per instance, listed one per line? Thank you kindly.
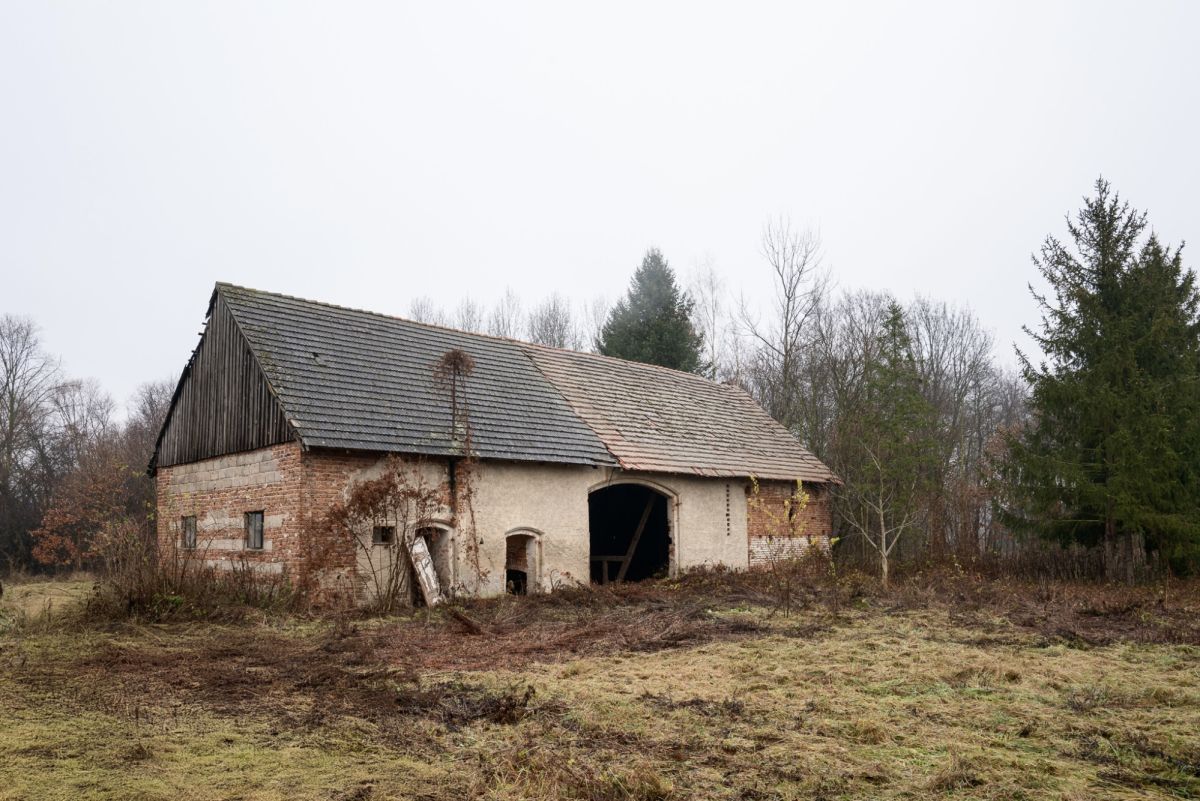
(582, 468)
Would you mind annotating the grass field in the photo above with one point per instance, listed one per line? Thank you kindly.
(963, 689)
(29, 600)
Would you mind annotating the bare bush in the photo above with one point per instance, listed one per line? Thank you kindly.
(139, 583)
(400, 501)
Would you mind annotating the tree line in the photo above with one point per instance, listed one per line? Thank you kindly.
(71, 471)
(943, 452)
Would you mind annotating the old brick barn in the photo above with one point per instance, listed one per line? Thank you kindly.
(583, 467)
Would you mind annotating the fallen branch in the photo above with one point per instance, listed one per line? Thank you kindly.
(470, 624)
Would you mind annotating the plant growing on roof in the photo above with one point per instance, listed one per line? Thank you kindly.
(450, 374)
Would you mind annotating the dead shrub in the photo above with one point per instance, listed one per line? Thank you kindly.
(138, 584)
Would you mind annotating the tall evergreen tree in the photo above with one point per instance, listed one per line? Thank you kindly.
(1112, 454)
(653, 322)
(888, 451)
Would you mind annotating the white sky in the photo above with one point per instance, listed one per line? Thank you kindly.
(366, 153)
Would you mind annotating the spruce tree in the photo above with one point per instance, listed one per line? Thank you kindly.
(1111, 455)
(653, 322)
(888, 450)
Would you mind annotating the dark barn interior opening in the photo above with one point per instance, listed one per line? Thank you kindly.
(519, 563)
(630, 533)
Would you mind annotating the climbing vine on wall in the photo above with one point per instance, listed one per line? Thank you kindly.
(450, 374)
(382, 516)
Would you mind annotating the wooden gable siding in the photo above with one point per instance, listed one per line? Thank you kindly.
(223, 403)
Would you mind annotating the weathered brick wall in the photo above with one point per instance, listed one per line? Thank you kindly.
(294, 490)
(218, 492)
(336, 564)
(779, 528)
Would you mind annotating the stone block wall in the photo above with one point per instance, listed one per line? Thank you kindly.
(778, 527)
(218, 492)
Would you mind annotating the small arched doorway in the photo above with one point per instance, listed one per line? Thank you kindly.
(521, 559)
(630, 533)
(440, 542)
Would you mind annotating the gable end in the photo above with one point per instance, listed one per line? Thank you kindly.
(223, 403)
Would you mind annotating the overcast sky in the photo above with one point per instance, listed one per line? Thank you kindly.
(367, 153)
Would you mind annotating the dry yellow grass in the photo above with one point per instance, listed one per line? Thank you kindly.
(865, 704)
(37, 599)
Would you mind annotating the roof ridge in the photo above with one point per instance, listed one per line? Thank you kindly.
(619, 360)
(226, 285)
(519, 342)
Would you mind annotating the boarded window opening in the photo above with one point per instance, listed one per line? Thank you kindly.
(188, 532)
(383, 535)
(254, 530)
(630, 533)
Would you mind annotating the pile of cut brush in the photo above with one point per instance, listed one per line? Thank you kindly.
(568, 624)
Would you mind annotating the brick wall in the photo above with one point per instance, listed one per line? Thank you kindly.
(293, 489)
(336, 564)
(218, 492)
(777, 527)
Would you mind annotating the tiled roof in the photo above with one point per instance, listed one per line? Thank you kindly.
(363, 381)
(661, 420)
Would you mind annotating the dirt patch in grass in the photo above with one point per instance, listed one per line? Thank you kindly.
(517, 632)
(304, 683)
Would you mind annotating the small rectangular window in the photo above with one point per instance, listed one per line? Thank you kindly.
(187, 526)
(383, 535)
(254, 530)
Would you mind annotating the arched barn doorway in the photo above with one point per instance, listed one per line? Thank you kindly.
(630, 533)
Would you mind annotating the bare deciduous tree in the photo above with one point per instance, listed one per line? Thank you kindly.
(83, 416)
(551, 323)
(710, 316)
(468, 316)
(799, 283)
(424, 310)
(29, 378)
(874, 509)
(506, 317)
(595, 313)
